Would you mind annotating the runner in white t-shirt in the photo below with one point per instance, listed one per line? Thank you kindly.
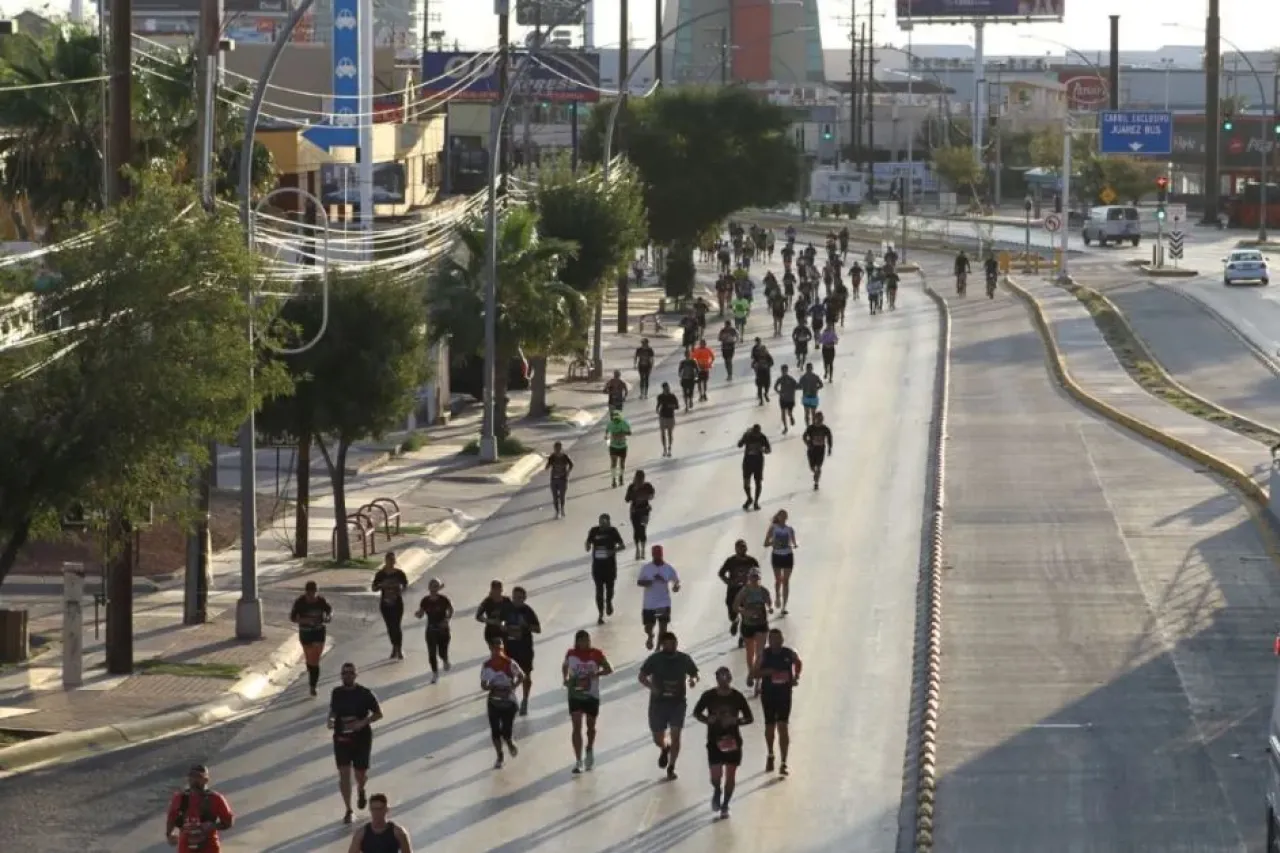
(659, 580)
(583, 666)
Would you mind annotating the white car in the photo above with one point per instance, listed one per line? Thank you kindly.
(1245, 265)
(346, 68)
(345, 20)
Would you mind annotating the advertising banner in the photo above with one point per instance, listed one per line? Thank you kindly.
(550, 13)
(1086, 91)
(340, 183)
(556, 76)
(1239, 149)
(936, 11)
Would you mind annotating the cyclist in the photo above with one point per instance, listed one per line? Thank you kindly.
(560, 465)
(705, 358)
(728, 343)
(992, 268)
(962, 271)
(616, 390)
(616, 431)
(741, 308)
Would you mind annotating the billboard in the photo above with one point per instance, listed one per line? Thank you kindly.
(1085, 90)
(230, 7)
(957, 11)
(558, 76)
(550, 13)
(340, 183)
(1239, 149)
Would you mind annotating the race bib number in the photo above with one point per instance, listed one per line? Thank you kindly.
(603, 553)
(514, 632)
(727, 744)
(671, 689)
(783, 678)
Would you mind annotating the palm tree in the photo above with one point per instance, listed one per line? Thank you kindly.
(537, 315)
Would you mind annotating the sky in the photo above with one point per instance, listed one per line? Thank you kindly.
(1251, 24)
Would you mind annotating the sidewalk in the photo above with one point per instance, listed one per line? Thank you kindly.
(186, 676)
(1095, 368)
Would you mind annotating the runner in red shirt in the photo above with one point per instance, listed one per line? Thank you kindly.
(197, 814)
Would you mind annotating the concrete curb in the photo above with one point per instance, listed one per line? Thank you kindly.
(1057, 365)
(520, 472)
(1167, 378)
(927, 682)
(1167, 272)
(260, 683)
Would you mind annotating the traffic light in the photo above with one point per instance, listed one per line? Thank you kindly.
(1057, 202)
(826, 132)
(1160, 213)
(1162, 189)
(1228, 123)
(1276, 128)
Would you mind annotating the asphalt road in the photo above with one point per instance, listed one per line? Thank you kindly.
(854, 581)
(1108, 616)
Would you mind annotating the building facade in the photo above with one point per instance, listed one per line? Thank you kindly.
(745, 41)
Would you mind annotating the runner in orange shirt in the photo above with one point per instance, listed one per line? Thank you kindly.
(703, 355)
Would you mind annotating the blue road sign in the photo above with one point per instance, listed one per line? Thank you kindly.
(1136, 132)
(342, 128)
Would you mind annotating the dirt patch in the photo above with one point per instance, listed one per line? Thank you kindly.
(163, 546)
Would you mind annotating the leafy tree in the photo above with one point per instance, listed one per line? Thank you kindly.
(606, 222)
(112, 413)
(703, 155)
(537, 313)
(359, 381)
(957, 166)
(1045, 149)
(52, 150)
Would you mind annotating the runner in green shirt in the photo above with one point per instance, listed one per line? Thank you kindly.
(741, 308)
(616, 431)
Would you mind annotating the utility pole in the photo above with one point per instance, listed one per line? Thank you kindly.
(1114, 69)
(195, 598)
(121, 94)
(871, 85)
(724, 56)
(624, 66)
(504, 69)
(657, 37)
(1212, 110)
(527, 99)
(862, 86)
(853, 87)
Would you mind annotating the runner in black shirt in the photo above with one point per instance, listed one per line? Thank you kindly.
(754, 446)
(786, 387)
(817, 439)
(390, 583)
(352, 710)
(559, 464)
(311, 613)
(493, 611)
(439, 610)
(762, 364)
(724, 711)
(668, 405)
(778, 672)
(604, 542)
(520, 624)
(640, 495)
(644, 365)
(734, 574)
(688, 372)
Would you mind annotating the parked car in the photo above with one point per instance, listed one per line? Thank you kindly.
(1247, 265)
(466, 375)
(1114, 223)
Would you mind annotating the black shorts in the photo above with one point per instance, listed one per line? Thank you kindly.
(762, 381)
(604, 570)
(703, 375)
(522, 654)
(816, 455)
(775, 705)
(312, 636)
(687, 385)
(618, 453)
(717, 757)
(586, 705)
(753, 466)
(353, 750)
(650, 618)
(749, 630)
(644, 369)
(787, 405)
(782, 561)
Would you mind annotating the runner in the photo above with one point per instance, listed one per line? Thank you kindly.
(616, 431)
(778, 669)
(604, 542)
(499, 677)
(659, 580)
(754, 606)
(560, 465)
(762, 364)
(353, 709)
(688, 371)
(616, 391)
(640, 495)
(782, 539)
(439, 610)
(817, 438)
(197, 814)
(582, 668)
(810, 385)
(390, 583)
(643, 363)
(828, 339)
(755, 446)
(741, 308)
(666, 673)
(786, 387)
(728, 343)
(801, 336)
(733, 573)
(891, 287)
(311, 613)
(493, 611)
(705, 358)
(667, 406)
(380, 835)
(724, 711)
(521, 624)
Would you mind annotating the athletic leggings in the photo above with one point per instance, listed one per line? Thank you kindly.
(392, 616)
(604, 580)
(437, 648)
(501, 720)
(640, 524)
